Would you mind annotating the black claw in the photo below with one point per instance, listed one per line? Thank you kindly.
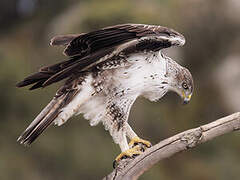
(114, 164)
(142, 149)
(135, 144)
(144, 145)
(141, 144)
(135, 155)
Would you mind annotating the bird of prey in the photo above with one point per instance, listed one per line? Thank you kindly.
(106, 71)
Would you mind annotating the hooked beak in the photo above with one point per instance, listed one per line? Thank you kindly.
(186, 98)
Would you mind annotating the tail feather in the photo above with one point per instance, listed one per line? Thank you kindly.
(46, 117)
(40, 123)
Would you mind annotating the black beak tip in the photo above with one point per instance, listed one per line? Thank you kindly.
(185, 102)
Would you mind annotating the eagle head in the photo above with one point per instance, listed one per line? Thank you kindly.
(181, 82)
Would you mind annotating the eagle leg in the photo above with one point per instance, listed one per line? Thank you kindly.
(130, 153)
(135, 140)
(136, 146)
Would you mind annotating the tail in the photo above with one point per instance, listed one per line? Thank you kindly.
(46, 117)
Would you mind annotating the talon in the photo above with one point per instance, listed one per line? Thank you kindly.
(114, 164)
(130, 153)
(136, 141)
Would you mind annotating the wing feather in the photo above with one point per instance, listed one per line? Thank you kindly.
(91, 42)
(63, 40)
(87, 50)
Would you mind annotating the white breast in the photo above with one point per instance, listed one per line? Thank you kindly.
(143, 77)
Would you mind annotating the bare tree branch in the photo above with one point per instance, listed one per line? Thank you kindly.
(129, 169)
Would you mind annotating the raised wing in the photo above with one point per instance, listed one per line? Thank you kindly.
(88, 50)
(115, 35)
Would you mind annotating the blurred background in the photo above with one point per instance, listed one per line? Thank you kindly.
(78, 151)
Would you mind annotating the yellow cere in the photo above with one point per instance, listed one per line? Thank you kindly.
(190, 95)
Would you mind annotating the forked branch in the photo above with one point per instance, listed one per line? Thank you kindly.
(129, 169)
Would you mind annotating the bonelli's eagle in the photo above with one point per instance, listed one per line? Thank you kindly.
(106, 71)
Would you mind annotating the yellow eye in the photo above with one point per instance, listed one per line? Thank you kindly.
(184, 85)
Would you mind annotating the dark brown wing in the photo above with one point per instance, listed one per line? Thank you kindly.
(57, 72)
(113, 36)
(43, 74)
(88, 50)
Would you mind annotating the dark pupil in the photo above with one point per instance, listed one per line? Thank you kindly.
(184, 85)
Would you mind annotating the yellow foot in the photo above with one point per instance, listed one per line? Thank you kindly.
(130, 153)
(136, 140)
